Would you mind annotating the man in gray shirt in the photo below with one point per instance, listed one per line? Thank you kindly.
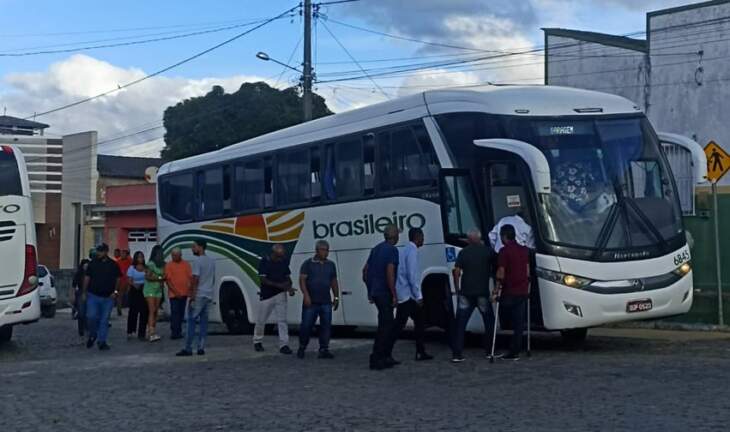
(201, 295)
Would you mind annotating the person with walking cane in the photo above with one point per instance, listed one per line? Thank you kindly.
(513, 286)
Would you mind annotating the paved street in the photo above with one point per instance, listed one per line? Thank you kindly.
(620, 380)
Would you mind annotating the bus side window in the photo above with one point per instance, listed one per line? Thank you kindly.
(268, 182)
(176, 196)
(294, 177)
(227, 183)
(210, 192)
(315, 174)
(349, 168)
(330, 181)
(369, 163)
(249, 178)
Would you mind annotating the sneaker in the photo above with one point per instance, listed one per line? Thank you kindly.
(496, 355)
(201, 351)
(103, 346)
(285, 350)
(184, 353)
(300, 353)
(457, 359)
(390, 362)
(130, 336)
(377, 365)
(422, 356)
(90, 342)
(513, 357)
(258, 347)
(325, 354)
(154, 338)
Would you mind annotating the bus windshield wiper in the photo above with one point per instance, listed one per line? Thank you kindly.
(606, 230)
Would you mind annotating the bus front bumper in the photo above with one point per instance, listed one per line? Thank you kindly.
(18, 310)
(565, 308)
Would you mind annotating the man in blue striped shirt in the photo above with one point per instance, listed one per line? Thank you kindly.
(410, 297)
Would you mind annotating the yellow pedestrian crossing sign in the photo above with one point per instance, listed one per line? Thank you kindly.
(718, 161)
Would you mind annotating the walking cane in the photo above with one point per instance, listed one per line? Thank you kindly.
(494, 331)
(529, 352)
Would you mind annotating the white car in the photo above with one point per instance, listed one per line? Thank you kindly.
(48, 293)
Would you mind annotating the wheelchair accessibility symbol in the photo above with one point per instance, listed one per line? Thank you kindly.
(450, 254)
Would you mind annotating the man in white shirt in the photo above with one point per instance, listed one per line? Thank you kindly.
(525, 237)
(410, 297)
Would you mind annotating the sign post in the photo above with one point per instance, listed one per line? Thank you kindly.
(718, 164)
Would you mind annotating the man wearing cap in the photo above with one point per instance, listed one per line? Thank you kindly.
(101, 284)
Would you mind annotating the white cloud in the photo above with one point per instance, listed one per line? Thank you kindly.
(126, 111)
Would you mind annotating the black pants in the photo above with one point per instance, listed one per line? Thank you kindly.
(385, 323)
(464, 309)
(409, 309)
(515, 308)
(177, 315)
(80, 312)
(137, 309)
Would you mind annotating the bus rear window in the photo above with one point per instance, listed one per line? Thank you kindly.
(9, 175)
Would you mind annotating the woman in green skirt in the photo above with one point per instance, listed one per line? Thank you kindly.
(153, 289)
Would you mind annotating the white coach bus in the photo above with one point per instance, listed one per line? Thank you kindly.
(586, 168)
(20, 302)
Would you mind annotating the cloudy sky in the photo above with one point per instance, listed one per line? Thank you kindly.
(456, 34)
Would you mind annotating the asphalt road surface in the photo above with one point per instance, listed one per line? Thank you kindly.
(620, 380)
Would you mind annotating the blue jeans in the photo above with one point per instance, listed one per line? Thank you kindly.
(465, 308)
(177, 314)
(198, 311)
(98, 310)
(309, 317)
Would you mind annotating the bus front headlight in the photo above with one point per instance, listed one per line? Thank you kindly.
(563, 278)
(683, 269)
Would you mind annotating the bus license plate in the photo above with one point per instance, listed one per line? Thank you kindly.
(639, 306)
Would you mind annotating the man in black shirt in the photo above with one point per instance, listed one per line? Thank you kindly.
(317, 277)
(472, 274)
(276, 282)
(101, 285)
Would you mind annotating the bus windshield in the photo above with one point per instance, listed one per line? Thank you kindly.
(9, 174)
(611, 185)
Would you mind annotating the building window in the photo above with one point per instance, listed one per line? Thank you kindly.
(98, 236)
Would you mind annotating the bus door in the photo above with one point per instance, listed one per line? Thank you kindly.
(507, 194)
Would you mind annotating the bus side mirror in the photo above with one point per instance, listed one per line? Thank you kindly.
(534, 158)
(699, 160)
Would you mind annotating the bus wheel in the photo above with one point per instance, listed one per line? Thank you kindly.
(574, 336)
(6, 333)
(233, 310)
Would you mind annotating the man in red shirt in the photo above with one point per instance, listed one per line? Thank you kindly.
(124, 262)
(513, 286)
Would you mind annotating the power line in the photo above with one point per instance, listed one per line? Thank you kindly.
(163, 70)
(129, 43)
(326, 27)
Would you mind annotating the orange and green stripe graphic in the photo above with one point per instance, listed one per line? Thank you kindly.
(244, 239)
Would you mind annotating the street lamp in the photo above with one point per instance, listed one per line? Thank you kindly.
(265, 57)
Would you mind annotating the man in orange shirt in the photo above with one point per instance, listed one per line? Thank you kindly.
(124, 262)
(179, 277)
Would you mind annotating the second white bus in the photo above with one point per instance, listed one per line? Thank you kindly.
(19, 299)
(586, 168)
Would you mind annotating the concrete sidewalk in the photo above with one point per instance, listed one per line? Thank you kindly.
(653, 334)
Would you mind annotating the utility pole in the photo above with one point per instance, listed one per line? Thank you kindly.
(307, 75)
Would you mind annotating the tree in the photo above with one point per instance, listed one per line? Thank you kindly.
(216, 120)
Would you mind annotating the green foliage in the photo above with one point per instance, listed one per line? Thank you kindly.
(216, 120)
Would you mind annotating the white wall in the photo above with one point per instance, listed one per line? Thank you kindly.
(683, 99)
(593, 66)
(79, 186)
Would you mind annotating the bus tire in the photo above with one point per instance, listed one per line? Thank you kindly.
(574, 336)
(6, 333)
(233, 309)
